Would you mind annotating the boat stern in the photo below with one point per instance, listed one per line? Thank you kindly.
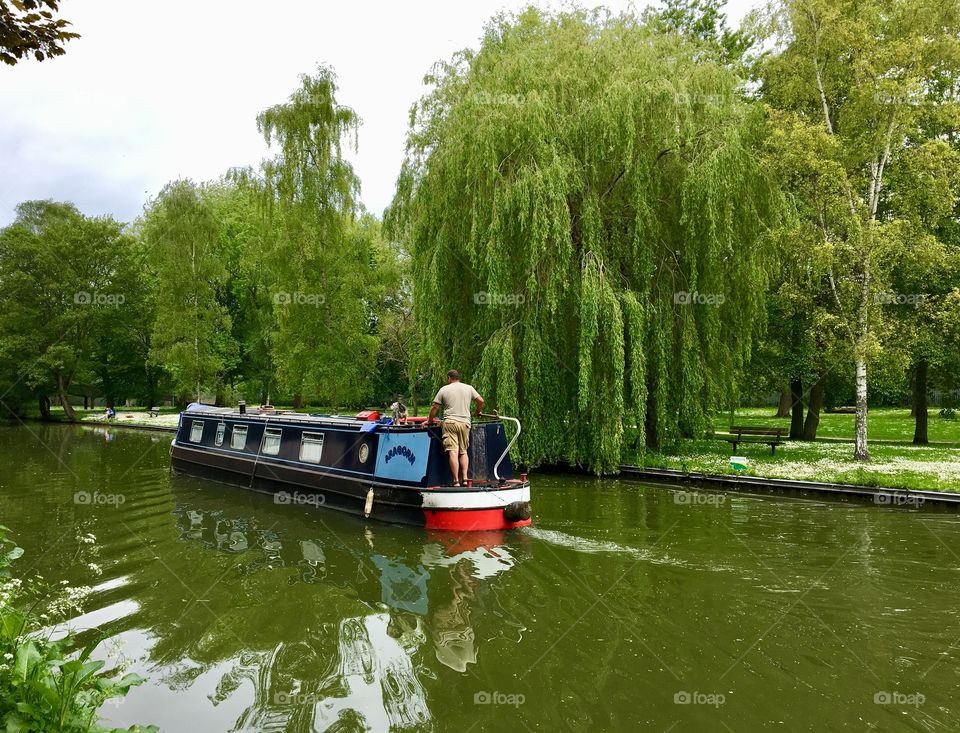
(488, 506)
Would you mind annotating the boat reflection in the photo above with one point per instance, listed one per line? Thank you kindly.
(385, 597)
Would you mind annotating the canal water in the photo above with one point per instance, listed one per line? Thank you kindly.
(624, 607)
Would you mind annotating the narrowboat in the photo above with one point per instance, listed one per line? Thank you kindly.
(373, 466)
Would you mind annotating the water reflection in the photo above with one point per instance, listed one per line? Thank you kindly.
(409, 594)
(245, 615)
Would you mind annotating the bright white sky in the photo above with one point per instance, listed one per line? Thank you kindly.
(155, 91)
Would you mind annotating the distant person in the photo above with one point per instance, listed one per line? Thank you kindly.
(110, 413)
(456, 397)
(399, 410)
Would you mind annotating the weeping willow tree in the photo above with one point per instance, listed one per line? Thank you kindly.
(320, 257)
(586, 211)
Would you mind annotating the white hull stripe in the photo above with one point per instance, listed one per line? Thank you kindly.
(493, 499)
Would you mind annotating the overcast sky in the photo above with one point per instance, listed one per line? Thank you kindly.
(155, 91)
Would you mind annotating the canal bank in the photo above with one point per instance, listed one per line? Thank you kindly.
(881, 496)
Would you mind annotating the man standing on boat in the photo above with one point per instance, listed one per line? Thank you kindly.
(455, 397)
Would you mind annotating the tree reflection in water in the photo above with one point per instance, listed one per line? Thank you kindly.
(349, 654)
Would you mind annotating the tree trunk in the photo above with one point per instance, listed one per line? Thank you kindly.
(650, 424)
(861, 452)
(920, 402)
(151, 390)
(44, 407)
(297, 401)
(65, 398)
(813, 410)
(796, 409)
(221, 399)
(783, 408)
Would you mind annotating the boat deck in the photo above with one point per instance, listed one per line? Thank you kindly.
(309, 418)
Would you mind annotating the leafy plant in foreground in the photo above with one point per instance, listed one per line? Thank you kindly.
(48, 684)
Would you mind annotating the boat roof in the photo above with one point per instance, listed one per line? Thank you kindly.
(196, 409)
(257, 413)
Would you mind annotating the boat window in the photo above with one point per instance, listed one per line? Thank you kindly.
(311, 447)
(221, 428)
(238, 437)
(271, 441)
(196, 431)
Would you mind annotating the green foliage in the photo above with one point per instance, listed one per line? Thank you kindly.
(569, 188)
(851, 83)
(29, 28)
(246, 291)
(73, 295)
(48, 684)
(703, 21)
(326, 264)
(191, 334)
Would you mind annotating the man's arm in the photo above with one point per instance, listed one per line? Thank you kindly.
(480, 404)
(433, 412)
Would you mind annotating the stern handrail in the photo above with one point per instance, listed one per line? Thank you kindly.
(513, 440)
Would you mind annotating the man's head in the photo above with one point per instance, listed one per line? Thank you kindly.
(453, 376)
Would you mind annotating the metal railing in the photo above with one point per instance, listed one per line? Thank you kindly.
(497, 416)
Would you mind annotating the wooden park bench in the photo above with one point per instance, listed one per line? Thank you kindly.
(746, 434)
(153, 412)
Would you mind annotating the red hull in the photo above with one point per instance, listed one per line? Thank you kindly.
(469, 520)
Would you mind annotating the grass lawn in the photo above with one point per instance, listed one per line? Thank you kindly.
(895, 462)
(883, 423)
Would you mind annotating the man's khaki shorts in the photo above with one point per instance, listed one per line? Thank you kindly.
(456, 436)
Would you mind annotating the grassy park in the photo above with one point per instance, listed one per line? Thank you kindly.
(895, 461)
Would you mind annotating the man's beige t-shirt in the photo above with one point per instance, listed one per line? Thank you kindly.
(455, 398)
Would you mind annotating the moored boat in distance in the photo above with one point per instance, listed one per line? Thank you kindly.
(365, 464)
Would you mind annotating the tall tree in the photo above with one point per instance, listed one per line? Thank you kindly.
(842, 72)
(247, 291)
(191, 336)
(583, 202)
(320, 258)
(70, 284)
